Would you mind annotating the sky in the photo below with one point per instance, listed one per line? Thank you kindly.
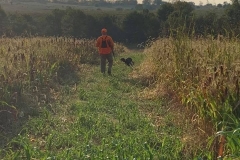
(197, 2)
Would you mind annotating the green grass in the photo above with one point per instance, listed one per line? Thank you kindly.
(35, 7)
(103, 117)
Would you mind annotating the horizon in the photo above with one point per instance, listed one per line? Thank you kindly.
(197, 2)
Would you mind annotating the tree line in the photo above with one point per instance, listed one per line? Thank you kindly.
(95, 2)
(132, 27)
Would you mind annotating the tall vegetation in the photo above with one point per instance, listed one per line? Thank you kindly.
(32, 67)
(2, 20)
(203, 74)
(233, 14)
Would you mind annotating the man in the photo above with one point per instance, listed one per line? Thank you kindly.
(105, 46)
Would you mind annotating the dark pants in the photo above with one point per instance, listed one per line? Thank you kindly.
(104, 59)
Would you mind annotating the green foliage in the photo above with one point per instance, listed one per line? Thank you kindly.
(157, 2)
(203, 74)
(53, 23)
(164, 11)
(22, 25)
(139, 7)
(73, 23)
(151, 24)
(146, 2)
(229, 136)
(206, 24)
(181, 17)
(84, 24)
(112, 23)
(3, 17)
(134, 26)
(183, 8)
(233, 14)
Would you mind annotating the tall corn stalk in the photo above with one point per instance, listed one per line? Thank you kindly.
(204, 75)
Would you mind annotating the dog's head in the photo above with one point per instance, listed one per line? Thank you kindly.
(122, 59)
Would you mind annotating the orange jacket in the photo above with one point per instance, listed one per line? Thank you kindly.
(110, 44)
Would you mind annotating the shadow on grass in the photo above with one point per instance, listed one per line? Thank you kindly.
(125, 82)
(13, 120)
(30, 102)
(67, 74)
(134, 47)
(136, 82)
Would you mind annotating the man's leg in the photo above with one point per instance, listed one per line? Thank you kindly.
(110, 63)
(103, 63)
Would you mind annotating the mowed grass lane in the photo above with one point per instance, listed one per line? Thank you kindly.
(102, 117)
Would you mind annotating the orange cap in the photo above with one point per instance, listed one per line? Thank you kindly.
(104, 30)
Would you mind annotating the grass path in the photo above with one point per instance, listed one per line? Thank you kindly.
(102, 117)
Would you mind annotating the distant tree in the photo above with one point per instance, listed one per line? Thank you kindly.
(132, 2)
(157, 2)
(219, 5)
(206, 24)
(233, 14)
(181, 17)
(211, 24)
(134, 27)
(164, 11)
(208, 5)
(147, 2)
(73, 23)
(183, 8)
(54, 22)
(145, 11)
(222, 25)
(112, 23)
(91, 27)
(192, 4)
(139, 7)
(21, 25)
(152, 24)
(225, 4)
(199, 25)
(3, 20)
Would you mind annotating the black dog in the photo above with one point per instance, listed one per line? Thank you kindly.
(128, 61)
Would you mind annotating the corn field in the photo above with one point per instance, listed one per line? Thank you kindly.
(30, 68)
(204, 75)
